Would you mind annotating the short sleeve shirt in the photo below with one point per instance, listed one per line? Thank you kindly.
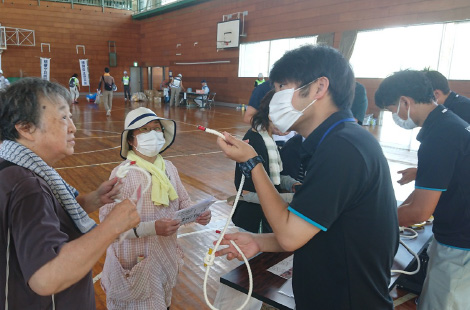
(444, 165)
(258, 93)
(39, 228)
(348, 194)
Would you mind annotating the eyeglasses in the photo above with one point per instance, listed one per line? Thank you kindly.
(146, 129)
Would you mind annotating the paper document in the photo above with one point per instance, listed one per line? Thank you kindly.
(190, 214)
(283, 268)
(286, 289)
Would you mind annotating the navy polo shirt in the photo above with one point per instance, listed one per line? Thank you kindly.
(458, 104)
(258, 93)
(444, 165)
(348, 194)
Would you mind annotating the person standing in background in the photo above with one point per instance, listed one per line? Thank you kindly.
(360, 103)
(126, 80)
(108, 82)
(260, 80)
(4, 83)
(176, 85)
(74, 86)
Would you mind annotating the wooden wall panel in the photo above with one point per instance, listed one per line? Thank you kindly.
(274, 19)
(153, 41)
(64, 28)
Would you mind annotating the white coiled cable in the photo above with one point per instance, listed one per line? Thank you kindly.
(210, 256)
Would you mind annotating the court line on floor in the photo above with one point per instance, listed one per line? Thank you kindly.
(403, 299)
(118, 162)
(112, 148)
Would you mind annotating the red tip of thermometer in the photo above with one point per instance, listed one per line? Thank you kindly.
(201, 128)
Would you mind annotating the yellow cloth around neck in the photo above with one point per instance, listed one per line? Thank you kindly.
(162, 190)
(107, 74)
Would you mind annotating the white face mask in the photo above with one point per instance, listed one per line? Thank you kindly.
(406, 124)
(281, 112)
(150, 143)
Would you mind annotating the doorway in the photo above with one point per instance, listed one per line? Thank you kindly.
(136, 79)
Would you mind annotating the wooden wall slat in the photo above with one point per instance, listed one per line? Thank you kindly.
(152, 41)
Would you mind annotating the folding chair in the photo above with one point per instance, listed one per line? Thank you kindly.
(209, 101)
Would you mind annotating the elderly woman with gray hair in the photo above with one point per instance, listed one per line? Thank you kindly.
(49, 244)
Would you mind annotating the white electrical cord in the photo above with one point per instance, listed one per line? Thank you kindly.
(210, 256)
(121, 173)
(413, 235)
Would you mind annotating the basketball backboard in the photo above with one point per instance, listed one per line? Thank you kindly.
(228, 34)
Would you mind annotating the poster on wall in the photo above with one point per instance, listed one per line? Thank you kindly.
(45, 68)
(84, 71)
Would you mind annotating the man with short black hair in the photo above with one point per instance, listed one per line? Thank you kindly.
(342, 222)
(458, 104)
(441, 188)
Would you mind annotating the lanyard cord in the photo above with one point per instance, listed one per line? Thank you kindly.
(210, 256)
(350, 119)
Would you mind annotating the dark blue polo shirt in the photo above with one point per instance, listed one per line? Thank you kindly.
(444, 165)
(348, 194)
(258, 93)
(458, 104)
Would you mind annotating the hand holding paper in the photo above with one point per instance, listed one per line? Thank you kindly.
(190, 214)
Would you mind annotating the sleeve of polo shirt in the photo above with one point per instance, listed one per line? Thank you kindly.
(35, 227)
(334, 175)
(436, 164)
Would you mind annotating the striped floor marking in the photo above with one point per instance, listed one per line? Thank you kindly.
(403, 299)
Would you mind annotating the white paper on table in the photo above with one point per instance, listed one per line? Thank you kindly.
(283, 268)
(190, 214)
(286, 289)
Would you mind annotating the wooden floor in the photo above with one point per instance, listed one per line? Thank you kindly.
(204, 171)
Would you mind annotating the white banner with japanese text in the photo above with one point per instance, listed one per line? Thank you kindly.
(84, 71)
(45, 68)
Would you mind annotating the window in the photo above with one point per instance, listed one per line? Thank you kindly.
(259, 57)
(442, 47)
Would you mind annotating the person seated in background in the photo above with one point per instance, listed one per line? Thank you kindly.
(458, 104)
(141, 271)
(249, 214)
(201, 100)
(360, 103)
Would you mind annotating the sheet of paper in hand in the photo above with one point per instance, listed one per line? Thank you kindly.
(190, 214)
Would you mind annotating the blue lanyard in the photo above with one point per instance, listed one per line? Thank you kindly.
(333, 126)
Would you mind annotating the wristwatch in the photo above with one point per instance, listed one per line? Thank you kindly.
(247, 166)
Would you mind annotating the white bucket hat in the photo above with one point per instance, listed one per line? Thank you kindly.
(140, 117)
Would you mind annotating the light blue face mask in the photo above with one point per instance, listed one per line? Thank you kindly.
(406, 124)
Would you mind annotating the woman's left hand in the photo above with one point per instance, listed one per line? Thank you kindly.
(204, 218)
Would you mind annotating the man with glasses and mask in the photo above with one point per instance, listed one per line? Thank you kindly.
(441, 187)
(342, 223)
